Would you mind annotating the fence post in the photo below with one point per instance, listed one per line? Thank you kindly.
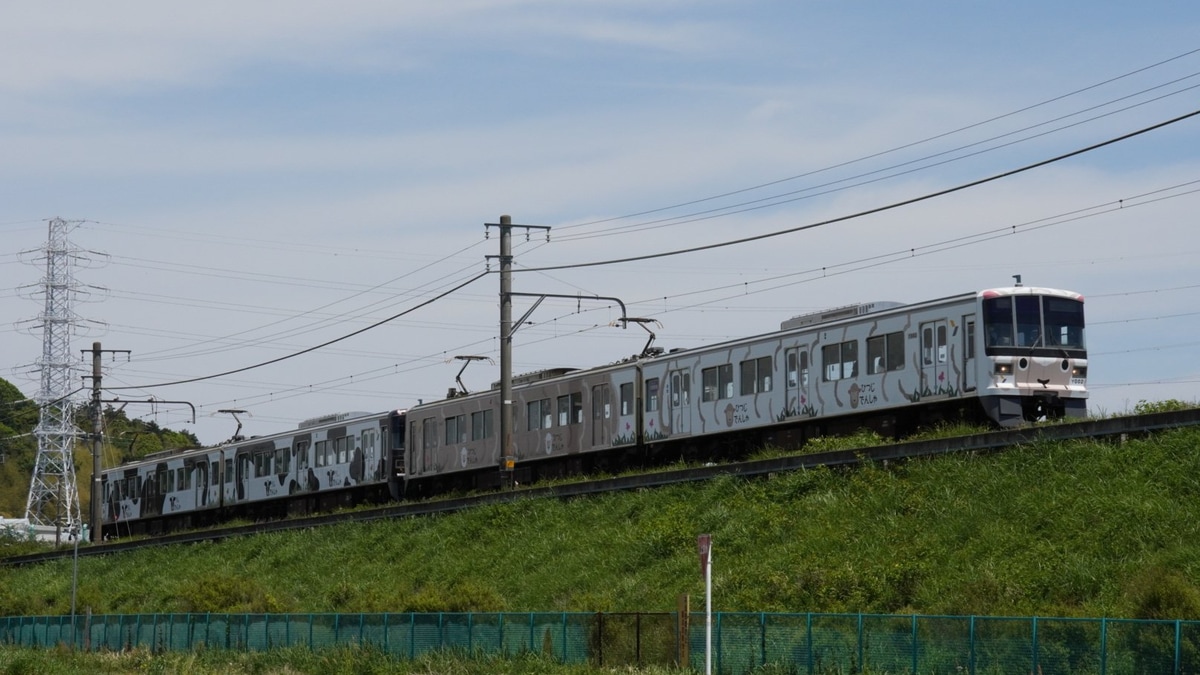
(412, 636)
(971, 648)
(915, 651)
(563, 646)
(720, 651)
(600, 637)
(1103, 646)
(861, 664)
(1178, 646)
(1035, 647)
(810, 645)
(762, 638)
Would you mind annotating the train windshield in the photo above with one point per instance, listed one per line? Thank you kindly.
(1034, 322)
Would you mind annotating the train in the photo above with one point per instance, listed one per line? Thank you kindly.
(1006, 356)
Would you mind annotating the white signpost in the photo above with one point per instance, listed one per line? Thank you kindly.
(704, 547)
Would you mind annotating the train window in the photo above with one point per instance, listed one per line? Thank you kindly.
(229, 470)
(570, 408)
(185, 479)
(998, 321)
(716, 382)
(885, 352)
(1064, 322)
(320, 446)
(283, 460)
(429, 433)
(756, 375)
(969, 338)
(456, 429)
(564, 410)
(793, 369)
(214, 473)
(626, 393)
(708, 385)
(481, 425)
(652, 394)
(841, 360)
(344, 445)
(533, 413)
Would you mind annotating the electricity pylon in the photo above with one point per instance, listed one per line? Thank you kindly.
(53, 497)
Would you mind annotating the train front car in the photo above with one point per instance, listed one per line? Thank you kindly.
(1035, 364)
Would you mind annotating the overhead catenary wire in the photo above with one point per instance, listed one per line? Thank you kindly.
(293, 355)
(871, 211)
(885, 152)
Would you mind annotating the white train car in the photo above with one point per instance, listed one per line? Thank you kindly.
(1010, 354)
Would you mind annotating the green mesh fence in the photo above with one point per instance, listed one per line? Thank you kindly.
(742, 642)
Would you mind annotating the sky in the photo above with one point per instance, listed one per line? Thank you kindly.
(247, 181)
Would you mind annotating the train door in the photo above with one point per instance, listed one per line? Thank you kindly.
(601, 416)
(968, 352)
(796, 361)
(935, 357)
(679, 398)
(242, 474)
(199, 470)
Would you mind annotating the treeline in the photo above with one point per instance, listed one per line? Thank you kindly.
(124, 439)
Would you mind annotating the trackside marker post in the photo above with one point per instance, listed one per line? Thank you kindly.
(704, 547)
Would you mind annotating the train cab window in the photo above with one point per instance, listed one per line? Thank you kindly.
(652, 394)
(626, 393)
(998, 318)
(885, 353)
(481, 425)
(841, 360)
(756, 375)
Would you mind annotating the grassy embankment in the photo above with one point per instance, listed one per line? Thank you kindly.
(1075, 529)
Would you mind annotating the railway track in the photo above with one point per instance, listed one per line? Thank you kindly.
(994, 441)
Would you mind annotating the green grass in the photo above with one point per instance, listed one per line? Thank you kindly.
(293, 661)
(1071, 529)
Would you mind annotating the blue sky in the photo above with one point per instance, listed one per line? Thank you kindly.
(257, 178)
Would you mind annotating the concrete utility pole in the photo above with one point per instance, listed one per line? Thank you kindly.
(97, 439)
(508, 453)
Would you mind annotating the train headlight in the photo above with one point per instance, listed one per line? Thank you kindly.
(1003, 369)
(1079, 372)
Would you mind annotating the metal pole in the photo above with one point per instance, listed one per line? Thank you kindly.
(97, 430)
(507, 456)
